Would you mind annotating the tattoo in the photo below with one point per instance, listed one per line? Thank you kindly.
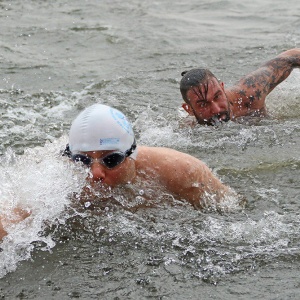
(242, 93)
(253, 88)
(250, 82)
(251, 98)
(258, 94)
(268, 77)
(282, 67)
(199, 93)
(273, 82)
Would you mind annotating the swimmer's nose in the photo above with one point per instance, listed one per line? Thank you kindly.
(215, 108)
(98, 172)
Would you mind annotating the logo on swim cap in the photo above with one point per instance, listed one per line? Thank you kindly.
(121, 120)
(109, 141)
(100, 128)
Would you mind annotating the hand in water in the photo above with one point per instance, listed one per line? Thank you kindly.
(18, 215)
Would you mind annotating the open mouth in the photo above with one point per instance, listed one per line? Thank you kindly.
(218, 119)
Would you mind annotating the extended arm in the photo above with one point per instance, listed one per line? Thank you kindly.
(254, 87)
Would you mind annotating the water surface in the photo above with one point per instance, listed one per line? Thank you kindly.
(57, 57)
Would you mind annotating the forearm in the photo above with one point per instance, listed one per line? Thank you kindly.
(291, 57)
(282, 65)
(259, 83)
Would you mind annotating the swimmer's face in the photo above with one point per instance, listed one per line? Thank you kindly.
(208, 103)
(120, 174)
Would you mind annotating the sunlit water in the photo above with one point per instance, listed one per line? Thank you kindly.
(59, 57)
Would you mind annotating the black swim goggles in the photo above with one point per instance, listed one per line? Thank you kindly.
(110, 160)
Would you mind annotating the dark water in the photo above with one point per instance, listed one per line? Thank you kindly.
(58, 57)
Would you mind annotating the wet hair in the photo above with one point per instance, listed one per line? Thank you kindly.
(193, 78)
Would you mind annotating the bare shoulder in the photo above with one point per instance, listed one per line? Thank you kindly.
(161, 156)
(171, 166)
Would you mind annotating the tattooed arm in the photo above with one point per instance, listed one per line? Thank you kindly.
(249, 94)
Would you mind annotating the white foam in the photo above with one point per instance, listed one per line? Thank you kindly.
(39, 181)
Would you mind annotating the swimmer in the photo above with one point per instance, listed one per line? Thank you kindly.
(210, 103)
(102, 140)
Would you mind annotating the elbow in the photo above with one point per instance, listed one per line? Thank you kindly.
(292, 57)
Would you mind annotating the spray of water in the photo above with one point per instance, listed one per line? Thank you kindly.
(39, 182)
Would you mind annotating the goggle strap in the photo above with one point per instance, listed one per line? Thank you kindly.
(132, 148)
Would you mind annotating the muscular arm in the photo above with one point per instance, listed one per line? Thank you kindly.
(195, 182)
(183, 175)
(252, 89)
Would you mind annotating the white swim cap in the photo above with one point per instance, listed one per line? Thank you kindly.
(101, 127)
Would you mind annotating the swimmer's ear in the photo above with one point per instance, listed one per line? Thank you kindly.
(188, 109)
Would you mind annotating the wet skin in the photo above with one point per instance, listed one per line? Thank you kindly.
(121, 174)
(17, 215)
(180, 174)
(208, 103)
(211, 103)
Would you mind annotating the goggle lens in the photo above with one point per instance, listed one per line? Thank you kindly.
(110, 161)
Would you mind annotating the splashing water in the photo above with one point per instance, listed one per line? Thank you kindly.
(39, 182)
